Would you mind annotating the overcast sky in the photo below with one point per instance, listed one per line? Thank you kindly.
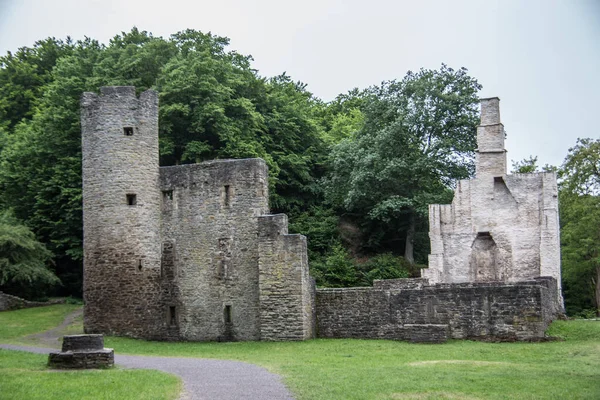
(542, 58)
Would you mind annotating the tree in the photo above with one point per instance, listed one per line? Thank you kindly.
(525, 166)
(417, 140)
(580, 225)
(23, 76)
(213, 105)
(23, 260)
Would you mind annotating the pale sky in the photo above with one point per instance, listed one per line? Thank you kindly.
(541, 57)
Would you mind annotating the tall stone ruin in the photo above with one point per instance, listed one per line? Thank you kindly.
(186, 252)
(499, 227)
(190, 252)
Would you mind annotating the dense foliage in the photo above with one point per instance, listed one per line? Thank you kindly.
(580, 227)
(23, 259)
(355, 175)
(416, 141)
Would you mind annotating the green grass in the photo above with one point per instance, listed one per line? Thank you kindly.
(382, 369)
(25, 376)
(19, 323)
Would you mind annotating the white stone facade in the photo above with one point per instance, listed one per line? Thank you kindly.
(499, 227)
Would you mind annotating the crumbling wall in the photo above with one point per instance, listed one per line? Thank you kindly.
(10, 302)
(209, 221)
(510, 311)
(499, 227)
(286, 288)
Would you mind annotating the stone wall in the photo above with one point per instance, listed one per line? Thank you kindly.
(9, 302)
(502, 311)
(210, 228)
(286, 301)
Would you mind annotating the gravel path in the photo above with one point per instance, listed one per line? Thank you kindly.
(52, 338)
(202, 378)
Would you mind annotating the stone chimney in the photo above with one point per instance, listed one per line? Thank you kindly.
(491, 155)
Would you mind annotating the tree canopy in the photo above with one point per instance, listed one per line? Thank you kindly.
(417, 139)
(580, 226)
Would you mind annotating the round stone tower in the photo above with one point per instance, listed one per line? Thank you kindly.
(121, 212)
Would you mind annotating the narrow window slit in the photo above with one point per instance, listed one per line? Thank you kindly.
(227, 195)
(131, 199)
(140, 264)
(168, 194)
(228, 314)
(172, 316)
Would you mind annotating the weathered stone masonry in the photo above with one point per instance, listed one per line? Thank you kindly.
(182, 252)
(499, 227)
(421, 312)
(190, 252)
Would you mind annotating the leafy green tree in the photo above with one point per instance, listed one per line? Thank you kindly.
(580, 226)
(417, 140)
(23, 259)
(342, 117)
(23, 76)
(525, 166)
(337, 270)
(385, 266)
(213, 105)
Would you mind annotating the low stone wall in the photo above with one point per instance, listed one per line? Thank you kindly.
(10, 302)
(82, 360)
(82, 352)
(491, 311)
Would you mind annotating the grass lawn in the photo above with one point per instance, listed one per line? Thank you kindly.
(382, 369)
(25, 375)
(16, 324)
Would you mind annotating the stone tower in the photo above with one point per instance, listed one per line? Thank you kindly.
(121, 212)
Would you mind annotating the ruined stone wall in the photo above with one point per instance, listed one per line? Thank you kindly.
(499, 227)
(121, 213)
(210, 229)
(517, 311)
(10, 302)
(286, 300)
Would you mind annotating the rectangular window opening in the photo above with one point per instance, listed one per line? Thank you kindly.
(128, 130)
(131, 199)
(498, 179)
(227, 195)
(172, 316)
(483, 234)
(228, 314)
(168, 194)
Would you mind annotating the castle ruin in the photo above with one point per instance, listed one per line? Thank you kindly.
(499, 227)
(186, 252)
(190, 252)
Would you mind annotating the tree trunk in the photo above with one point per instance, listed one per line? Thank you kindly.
(410, 235)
